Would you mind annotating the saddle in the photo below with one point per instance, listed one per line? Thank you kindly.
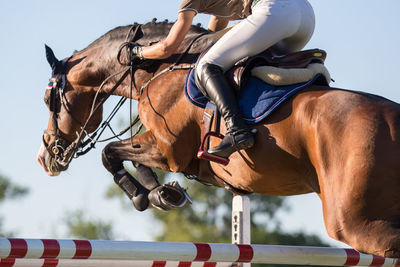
(238, 76)
(240, 73)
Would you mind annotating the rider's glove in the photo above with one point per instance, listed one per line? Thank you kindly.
(135, 53)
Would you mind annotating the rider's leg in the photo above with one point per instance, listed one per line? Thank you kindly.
(271, 22)
(238, 134)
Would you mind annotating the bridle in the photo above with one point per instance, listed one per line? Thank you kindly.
(64, 151)
(61, 149)
(57, 148)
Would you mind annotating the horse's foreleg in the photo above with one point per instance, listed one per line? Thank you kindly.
(143, 152)
(144, 149)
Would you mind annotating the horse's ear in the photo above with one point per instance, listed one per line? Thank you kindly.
(51, 58)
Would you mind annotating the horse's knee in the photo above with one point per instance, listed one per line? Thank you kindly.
(372, 237)
(110, 161)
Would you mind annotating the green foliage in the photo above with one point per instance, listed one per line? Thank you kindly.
(276, 237)
(81, 227)
(8, 191)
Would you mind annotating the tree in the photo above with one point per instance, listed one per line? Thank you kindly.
(79, 226)
(9, 191)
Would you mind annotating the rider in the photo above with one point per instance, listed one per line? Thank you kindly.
(283, 25)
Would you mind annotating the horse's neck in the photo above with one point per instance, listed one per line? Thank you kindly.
(99, 60)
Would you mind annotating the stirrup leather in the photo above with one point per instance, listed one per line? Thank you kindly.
(210, 115)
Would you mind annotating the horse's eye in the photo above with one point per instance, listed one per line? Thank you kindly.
(46, 98)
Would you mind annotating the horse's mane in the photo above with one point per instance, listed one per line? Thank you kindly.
(153, 31)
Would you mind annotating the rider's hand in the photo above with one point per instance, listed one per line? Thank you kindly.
(135, 53)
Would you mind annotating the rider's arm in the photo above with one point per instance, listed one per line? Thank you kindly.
(217, 23)
(167, 47)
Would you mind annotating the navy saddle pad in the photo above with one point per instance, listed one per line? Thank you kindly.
(257, 100)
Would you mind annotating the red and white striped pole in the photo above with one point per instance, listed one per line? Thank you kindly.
(183, 252)
(104, 263)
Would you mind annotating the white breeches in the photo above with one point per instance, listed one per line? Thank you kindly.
(283, 25)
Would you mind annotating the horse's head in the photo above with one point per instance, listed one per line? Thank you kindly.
(74, 90)
(70, 103)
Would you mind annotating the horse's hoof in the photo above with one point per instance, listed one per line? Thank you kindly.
(141, 201)
(169, 196)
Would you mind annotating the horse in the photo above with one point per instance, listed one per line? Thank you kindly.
(342, 145)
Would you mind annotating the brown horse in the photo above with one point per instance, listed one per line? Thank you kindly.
(340, 144)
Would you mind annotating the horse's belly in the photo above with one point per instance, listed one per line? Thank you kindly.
(274, 166)
(270, 176)
(277, 184)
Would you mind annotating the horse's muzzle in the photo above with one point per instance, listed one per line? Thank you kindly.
(49, 163)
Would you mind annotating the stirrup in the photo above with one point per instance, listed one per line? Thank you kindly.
(169, 196)
(203, 154)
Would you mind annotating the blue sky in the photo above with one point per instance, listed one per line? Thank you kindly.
(362, 39)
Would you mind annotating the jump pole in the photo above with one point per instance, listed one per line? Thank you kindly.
(104, 263)
(99, 253)
(183, 252)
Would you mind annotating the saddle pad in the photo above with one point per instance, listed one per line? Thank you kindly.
(257, 100)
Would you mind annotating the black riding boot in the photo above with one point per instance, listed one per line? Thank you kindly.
(220, 92)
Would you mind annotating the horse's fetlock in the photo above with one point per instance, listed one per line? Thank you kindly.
(109, 162)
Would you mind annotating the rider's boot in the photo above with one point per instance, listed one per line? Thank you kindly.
(221, 93)
(133, 189)
(163, 197)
